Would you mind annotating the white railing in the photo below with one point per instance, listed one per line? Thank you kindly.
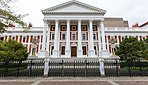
(22, 29)
(106, 29)
(126, 29)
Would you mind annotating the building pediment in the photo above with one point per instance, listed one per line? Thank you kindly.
(73, 7)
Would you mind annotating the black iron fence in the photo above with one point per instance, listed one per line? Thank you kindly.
(73, 67)
(29, 68)
(122, 68)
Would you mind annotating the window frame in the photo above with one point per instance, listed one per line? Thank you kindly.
(84, 26)
(62, 36)
(52, 27)
(73, 36)
(53, 35)
(75, 28)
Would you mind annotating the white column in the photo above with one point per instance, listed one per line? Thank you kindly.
(103, 36)
(44, 35)
(59, 47)
(40, 42)
(79, 52)
(55, 50)
(107, 43)
(43, 52)
(104, 52)
(29, 43)
(91, 40)
(67, 50)
(121, 38)
(48, 37)
(99, 40)
(117, 40)
(138, 38)
(18, 38)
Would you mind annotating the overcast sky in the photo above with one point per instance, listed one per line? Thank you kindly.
(132, 10)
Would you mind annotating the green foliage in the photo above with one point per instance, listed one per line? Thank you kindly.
(12, 51)
(7, 15)
(131, 49)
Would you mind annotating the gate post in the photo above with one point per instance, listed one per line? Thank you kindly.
(102, 71)
(46, 67)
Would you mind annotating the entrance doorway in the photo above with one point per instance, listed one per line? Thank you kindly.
(73, 51)
(84, 50)
(63, 50)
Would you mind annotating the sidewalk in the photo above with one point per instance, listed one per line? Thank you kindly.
(75, 81)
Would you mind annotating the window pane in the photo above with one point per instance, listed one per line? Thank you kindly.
(52, 36)
(94, 36)
(83, 36)
(63, 36)
(23, 39)
(73, 36)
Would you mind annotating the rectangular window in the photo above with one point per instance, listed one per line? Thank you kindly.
(24, 39)
(2, 38)
(73, 36)
(83, 36)
(63, 36)
(13, 38)
(52, 36)
(94, 36)
(41, 39)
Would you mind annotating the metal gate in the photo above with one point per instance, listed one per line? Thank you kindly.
(72, 67)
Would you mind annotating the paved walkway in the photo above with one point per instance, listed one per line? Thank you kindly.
(75, 81)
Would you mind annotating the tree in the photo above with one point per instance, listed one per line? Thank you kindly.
(12, 50)
(131, 49)
(145, 52)
(7, 16)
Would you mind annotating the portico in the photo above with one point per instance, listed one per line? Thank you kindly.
(80, 21)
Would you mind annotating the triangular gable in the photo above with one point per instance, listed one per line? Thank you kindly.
(74, 6)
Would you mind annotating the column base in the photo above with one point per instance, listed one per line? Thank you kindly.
(91, 53)
(80, 53)
(55, 54)
(104, 54)
(67, 53)
(43, 54)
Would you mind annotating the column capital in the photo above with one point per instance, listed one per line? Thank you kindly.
(45, 20)
(90, 20)
(68, 20)
(79, 20)
(102, 20)
(56, 20)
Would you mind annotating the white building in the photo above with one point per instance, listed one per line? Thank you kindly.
(75, 29)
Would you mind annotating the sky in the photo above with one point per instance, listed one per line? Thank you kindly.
(135, 11)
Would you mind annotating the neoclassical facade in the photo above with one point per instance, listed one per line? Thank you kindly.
(75, 29)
